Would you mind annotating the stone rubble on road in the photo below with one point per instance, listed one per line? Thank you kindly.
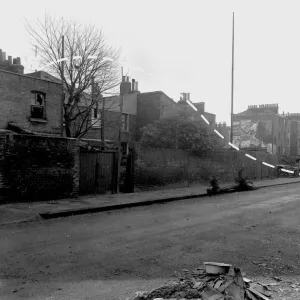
(199, 285)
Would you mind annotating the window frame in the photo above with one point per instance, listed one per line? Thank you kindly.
(95, 121)
(34, 94)
(125, 122)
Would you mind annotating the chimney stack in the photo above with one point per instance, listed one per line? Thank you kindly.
(17, 67)
(11, 65)
(125, 86)
(133, 84)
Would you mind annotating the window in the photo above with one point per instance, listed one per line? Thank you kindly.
(37, 108)
(125, 122)
(96, 122)
(124, 146)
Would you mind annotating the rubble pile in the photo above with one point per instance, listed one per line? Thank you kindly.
(209, 284)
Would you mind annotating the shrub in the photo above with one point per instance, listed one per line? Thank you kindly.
(242, 183)
(214, 185)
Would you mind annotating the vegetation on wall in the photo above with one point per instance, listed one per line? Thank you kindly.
(179, 133)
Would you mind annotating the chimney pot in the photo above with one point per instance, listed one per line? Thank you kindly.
(18, 60)
(14, 61)
(10, 60)
(133, 84)
(3, 56)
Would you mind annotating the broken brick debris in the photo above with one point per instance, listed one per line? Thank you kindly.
(197, 284)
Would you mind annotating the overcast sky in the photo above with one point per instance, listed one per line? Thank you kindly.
(185, 46)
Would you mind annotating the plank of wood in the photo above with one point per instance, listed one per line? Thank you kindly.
(258, 294)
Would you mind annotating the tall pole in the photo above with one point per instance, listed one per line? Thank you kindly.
(232, 78)
(102, 118)
(62, 85)
(120, 129)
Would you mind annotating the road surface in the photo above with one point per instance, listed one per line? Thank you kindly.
(111, 255)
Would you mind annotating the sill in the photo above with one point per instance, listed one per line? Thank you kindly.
(34, 120)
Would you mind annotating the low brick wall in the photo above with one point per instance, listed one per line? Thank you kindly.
(157, 167)
(38, 168)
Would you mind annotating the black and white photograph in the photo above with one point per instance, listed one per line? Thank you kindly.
(150, 150)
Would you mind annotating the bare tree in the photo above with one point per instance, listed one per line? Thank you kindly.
(88, 59)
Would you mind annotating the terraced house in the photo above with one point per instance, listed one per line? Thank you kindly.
(262, 127)
(27, 103)
(32, 103)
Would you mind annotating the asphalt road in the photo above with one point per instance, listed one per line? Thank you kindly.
(113, 254)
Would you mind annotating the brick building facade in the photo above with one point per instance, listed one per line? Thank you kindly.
(153, 106)
(29, 103)
(294, 126)
(262, 127)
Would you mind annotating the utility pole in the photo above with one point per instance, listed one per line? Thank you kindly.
(176, 140)
(102, 118)
(62, 85)
(120, 130)
(232, 78)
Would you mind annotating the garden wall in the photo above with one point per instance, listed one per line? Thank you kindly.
(38, 168)
(160, 167)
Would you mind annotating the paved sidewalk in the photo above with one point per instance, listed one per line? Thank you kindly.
(10, 213)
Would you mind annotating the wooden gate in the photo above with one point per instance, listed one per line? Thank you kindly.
(98, 172)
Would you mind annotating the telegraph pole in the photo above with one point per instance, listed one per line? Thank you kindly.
(232, 78)
(62, 85)
(120, 130)
(102, 118)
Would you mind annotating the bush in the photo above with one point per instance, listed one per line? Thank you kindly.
(214, 185)
(242, 183)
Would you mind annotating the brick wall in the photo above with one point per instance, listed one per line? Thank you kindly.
(155, 167)
(38, 168)
(294, 137)
(15, 102)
